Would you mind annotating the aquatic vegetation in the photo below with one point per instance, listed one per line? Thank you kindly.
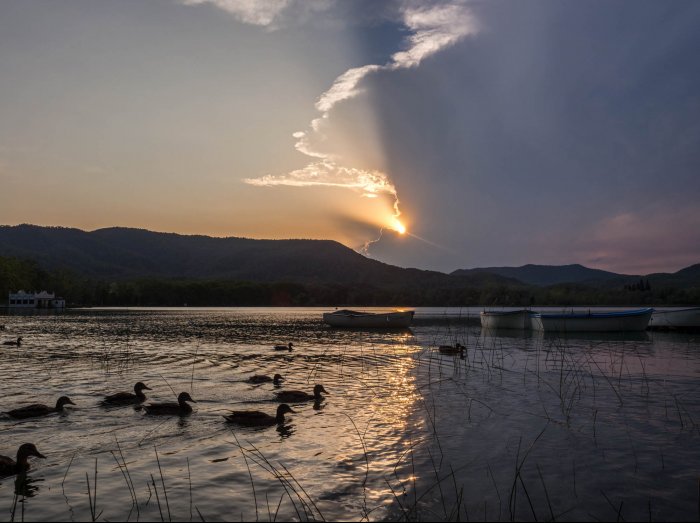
(521, 427)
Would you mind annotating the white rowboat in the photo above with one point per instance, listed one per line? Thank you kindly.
(357, 319)
(620, 321)
(506, 320)
(676, 319)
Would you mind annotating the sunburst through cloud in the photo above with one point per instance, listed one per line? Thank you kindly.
(432, 29)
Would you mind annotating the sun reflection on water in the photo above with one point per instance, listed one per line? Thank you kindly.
(357, 432)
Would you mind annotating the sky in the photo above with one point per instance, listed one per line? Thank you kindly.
(441, 135)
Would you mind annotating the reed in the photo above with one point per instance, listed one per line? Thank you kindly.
(162, 481)
(250, 475)
(189, 483)
(124, 469)
(298, 496)
(92, 497)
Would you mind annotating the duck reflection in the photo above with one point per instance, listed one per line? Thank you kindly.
(285, 431)
(26, 486)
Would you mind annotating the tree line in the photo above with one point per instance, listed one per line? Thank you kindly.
(78, 290)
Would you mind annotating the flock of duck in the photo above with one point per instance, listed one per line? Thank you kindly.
(249, 418)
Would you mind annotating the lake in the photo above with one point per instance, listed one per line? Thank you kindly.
(525, 426)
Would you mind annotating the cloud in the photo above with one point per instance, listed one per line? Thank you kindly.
(655, 240)
(255, 12)
(265, 13)
(564, 114)
(327, 173)
(344, 87)
(432, 28)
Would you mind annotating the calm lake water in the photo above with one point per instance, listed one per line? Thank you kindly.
(525, 426)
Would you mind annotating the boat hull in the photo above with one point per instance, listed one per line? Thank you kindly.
(676, 319)
(624, 321)
(506, 320)
(367, 320)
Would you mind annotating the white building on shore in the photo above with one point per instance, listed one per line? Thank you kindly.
(34, 300)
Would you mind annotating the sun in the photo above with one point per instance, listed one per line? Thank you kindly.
(398, 226)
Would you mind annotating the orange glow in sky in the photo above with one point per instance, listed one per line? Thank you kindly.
(397, 225)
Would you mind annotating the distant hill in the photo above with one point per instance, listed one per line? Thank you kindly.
(123, 253)
(122, 266)
(547, 275)
(543, 275)
(684, 277)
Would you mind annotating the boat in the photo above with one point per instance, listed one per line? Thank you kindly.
(617, 321)
(374, 320)
(676, 319)
(519, 319)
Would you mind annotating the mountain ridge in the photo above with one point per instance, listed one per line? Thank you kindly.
(544, 275)
(122, 253)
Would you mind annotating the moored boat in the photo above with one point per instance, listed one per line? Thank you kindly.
(379, 320)
(519, 319)
(676, 319)
(616, 321)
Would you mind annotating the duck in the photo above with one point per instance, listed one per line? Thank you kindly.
(16, 343)
(31, 411)
(181, 407)
(261, 378)
(295, 396)
(125, 398)
(457, 348)
(9, 466)
(285, 347)
(256, 418)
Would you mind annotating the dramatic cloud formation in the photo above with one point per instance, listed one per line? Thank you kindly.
(432, 29)
(512, 132)
(518, 144)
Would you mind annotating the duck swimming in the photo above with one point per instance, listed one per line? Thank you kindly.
(180, 408)
(255, 418)
(125, 398)
(457, 348)
(31, 411)
(285, 347)
(16, 343)
(261, 378)
(9, 466)
(295, 396)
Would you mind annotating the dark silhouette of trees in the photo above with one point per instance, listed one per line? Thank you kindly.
(18, 274)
